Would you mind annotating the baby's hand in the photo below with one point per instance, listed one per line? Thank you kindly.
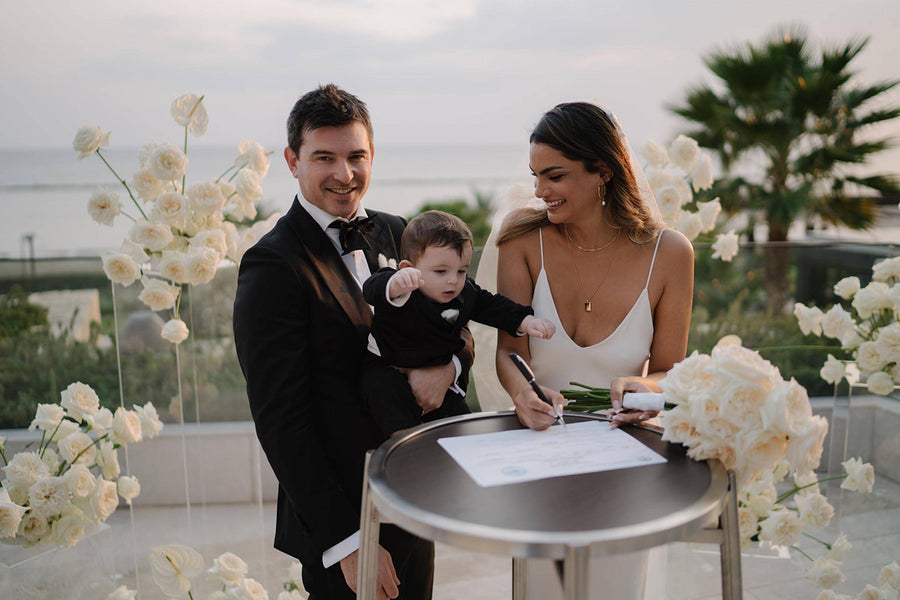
(404, 281)
(539, 328)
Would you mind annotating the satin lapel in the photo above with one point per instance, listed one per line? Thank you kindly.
(382, 243)
(331, 267)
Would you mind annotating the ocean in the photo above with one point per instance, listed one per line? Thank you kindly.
(44, 193)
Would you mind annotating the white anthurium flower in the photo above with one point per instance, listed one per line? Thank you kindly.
(173, 567)
(88, 140)
(860, 476)
(188, 111)
(726, 246)
(174, 331)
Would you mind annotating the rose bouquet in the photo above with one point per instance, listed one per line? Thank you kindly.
(871, 335)
(180, 232)
(72, 478)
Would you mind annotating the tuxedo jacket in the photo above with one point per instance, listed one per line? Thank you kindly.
(300, 328)
(417, 335)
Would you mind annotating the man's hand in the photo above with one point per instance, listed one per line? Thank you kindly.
(387, 580)
(404, 281)
(429, 385)
(539, 328)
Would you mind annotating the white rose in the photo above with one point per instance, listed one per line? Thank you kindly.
(708, 212)
(105, 499)
(159, 295)
(101, 422)
(249, 589)
(726, 246)
(684, 152)
(200, 222)
(894, 297)
(870, 592)
(240, 209)
(655, 154)
(120, 268)
(291, 595)
(145, 185)
(758, 450)
(701, 173)
(188, 111)
(150, 423)
(126, 427)
(669, 200)
(741, 401)
(747, 526)
(248, 185)
(659, 177)
(171, 266)
(833, 370)
(228, 569)
(136, 253)
(128, 487)
(80, 481)
(690, 224)
(174, 331)
(47, 417)
(846, 287)
(253, 156)
(34, 528)
(887, 270)
(206, 197)
(88, 140)
(871, 298)
(839, 549)
(49, 496)
(678, 426)
(868, 358)
(170, 208)
(65, 429)
(295, 573)
(153, 236)
(760, 504)
(837, 322)
(825, 573)
(888, 343)
(890, 575)
(781, 528)
(860, 476)
(69, 529)
(747, 364)
(880, 383)
(219, 595)
(78, 446)
(815, 510)
(200, 265)
(10, 515)
(108, 460)
(851, 340)
(213, 239)
(51, 459)
(122, 593)
(167, 163)
(104, 206)
(809, 319)
(79, 399)
(173, 567)
(804, 449)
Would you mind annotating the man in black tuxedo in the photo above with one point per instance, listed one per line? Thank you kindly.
(300, 327)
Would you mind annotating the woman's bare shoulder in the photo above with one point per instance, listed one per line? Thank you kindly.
(675, 247)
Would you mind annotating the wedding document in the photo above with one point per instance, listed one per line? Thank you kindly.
(525, 455)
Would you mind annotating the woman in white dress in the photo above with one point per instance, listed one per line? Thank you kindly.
(595, 260)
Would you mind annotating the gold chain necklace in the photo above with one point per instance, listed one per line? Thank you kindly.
(603, 247)
(587, 303)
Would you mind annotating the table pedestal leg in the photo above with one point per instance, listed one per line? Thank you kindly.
(368, 542)
(730, 549)
(575, 572)
(519, 578)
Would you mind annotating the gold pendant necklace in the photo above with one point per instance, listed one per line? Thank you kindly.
(587, 303)
(603, 247)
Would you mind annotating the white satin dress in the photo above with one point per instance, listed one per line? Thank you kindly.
(558, 361)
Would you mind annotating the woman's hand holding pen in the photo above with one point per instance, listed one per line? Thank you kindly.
(533, 412)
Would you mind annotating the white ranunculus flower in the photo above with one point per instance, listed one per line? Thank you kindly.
(809, 319)
(79, 399)
(701, 173)
(200, 265)
(101, 422)
(174, 331)
(104, 206)
(887, 270)
(145, 185)
(253, 156)
(77, 448)
(684, 152)
(708, 212)
(126, 427)
(105, 499)
(888, 343)
(228, 569)
(80, 481)
(825, 573)
(47, 417)
(158, 295)
(188, 111)
(214, 239)
(108, 459)
(781, 528)
(10, 515)
(880, 383)
(48, 496)
(88, 140)
(206, 197)
(171, 266)
(152, 236)
(839, 548)
(248, 184)
(846, 287)
(655, 154)
(249, 589)
(170, 208)
(871, 298)
(69, 529)
(726, 246)
(150, 423)
(890, 575)
(815, 510)
(837, 322)
(868, 358)
(122, 593)
(120, 268)
(173, 567)
(167, 163)
(128, 487)
(833, 371)
(860, 476)
(690, 224)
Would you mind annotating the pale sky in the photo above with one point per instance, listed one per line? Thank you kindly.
(457, 71)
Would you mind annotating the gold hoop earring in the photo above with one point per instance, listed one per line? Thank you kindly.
(601, 193)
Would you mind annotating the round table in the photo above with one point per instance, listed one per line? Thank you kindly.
(411, 481)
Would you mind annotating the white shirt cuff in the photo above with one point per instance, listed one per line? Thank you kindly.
(340, 551)
(454, 387)
(399, 300)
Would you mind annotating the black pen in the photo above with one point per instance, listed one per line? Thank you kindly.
(528, 374)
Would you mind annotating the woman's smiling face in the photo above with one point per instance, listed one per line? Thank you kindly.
(566, 187)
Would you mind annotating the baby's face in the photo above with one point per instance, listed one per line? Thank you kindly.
(444, 271)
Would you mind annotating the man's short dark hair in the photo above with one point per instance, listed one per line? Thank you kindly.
(433, 228)
(326, 106)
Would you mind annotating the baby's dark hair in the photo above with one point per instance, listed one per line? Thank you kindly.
(433, 228)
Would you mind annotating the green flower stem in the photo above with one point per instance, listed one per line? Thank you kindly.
(812, 537)
(184, 177)
(62, 467)
(802, 552)
(799, 347)
(224, 173)
(790, 493)
(3, 456)
(41, 446)
(122, 181)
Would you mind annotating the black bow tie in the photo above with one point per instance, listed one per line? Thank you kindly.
(352, 234)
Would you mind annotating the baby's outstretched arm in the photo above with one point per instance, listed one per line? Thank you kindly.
(404, 281)
(536, 327)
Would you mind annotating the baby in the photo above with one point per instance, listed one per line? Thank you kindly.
(420, 311)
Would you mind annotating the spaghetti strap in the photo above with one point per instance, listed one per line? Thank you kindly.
(652, 261)
(541, 242)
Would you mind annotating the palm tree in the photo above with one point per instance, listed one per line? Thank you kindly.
(796, 116)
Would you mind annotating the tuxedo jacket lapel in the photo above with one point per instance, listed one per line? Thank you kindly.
(381, 242)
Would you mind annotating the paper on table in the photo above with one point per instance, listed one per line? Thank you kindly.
(525, 455)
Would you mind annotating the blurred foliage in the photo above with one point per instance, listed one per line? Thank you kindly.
(477, 217)
(17, 315)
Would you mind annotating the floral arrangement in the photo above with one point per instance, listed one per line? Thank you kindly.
(180, 232)
(871, 335)
(668, 172)
(72, 479)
